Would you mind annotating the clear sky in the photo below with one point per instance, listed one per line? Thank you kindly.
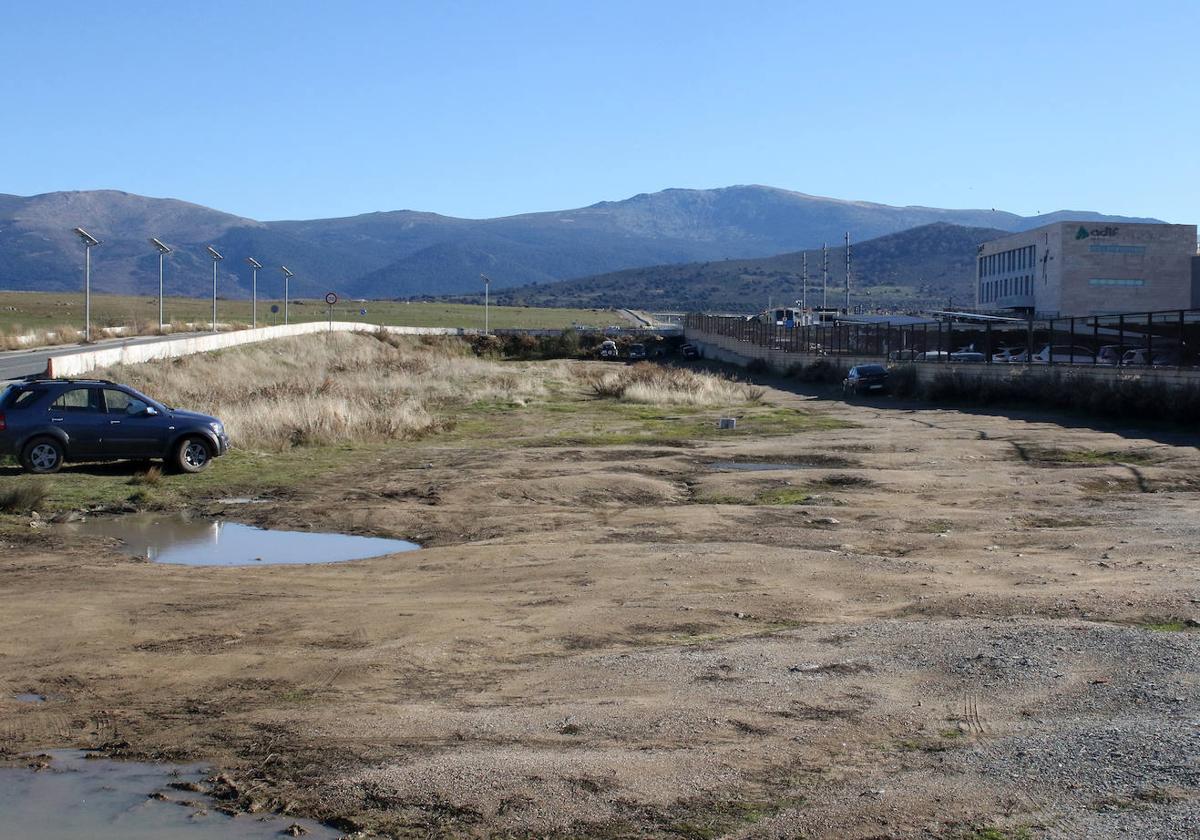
(311, 109)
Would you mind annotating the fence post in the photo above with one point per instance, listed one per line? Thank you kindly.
(1121, 338)
(1149, 339)
(987, 341)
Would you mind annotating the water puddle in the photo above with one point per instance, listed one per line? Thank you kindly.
(29, 697)
(75, 797)
(212, 542)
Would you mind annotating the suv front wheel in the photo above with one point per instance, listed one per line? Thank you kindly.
(192, 455)
(42, 455)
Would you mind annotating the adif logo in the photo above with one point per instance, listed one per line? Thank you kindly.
(1084, 233)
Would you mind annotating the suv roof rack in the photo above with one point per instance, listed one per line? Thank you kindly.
(41, 377)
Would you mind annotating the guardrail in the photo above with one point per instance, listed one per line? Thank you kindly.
(1166, 339)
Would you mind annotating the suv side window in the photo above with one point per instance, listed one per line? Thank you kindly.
(119, 402)
(76, 399)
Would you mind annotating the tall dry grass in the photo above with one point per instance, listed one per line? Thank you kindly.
(657, 385)
(337, 388)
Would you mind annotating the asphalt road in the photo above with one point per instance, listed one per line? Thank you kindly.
(17, 364)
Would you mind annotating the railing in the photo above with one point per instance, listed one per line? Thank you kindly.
(1144, 339)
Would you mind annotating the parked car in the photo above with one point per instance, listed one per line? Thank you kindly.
(968, 357)
(1006, 354)
(608, 349)
(865, 379)
(45, 422)
(902, 356)
(689, 351)
(1064, 354)
(1141, 357)
(637, 352)
(1110, 355)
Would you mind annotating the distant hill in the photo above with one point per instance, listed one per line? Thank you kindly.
(931, 264)
(406, 253)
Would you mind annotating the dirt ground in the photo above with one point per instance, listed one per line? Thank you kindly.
(956, 625)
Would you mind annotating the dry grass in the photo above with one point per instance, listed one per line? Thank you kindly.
(18, 338)
(657, 385)
(23, 496)
(340, 388)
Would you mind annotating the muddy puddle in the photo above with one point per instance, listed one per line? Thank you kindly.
(189, 541)
(29, 697)
(76, 797)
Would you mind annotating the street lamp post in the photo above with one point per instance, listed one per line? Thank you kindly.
(486, 284)
(89, 242)
(255, 265)
(216, 258)
(287, 275)
(163, 250)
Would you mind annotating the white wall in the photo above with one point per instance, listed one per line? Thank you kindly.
(75, 364)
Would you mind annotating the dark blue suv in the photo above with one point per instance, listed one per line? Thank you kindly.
(44, 422)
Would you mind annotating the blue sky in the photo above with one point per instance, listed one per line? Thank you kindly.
(312, 109)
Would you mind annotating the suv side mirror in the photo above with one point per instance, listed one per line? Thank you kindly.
(150, 411)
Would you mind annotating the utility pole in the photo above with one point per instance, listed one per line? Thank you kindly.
(824, 275)
(804, 282)
(847, 272)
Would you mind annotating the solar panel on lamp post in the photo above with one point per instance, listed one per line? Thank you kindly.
(286, 276)
(216, 258)
(89, 242)
(163, 250)
(255, 265)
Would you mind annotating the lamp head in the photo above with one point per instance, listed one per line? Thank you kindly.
(214, 253)
(253, 263)
(87, 238)
(286, 271)
(162, 248)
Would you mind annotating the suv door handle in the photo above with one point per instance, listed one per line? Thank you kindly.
(114, 422)
(56, 419)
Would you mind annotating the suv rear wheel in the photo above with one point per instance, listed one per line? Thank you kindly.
(192, 455)
(42, 455)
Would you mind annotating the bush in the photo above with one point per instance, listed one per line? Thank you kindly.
(23, 496)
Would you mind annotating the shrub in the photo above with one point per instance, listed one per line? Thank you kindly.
(658, 385)
(23, 496)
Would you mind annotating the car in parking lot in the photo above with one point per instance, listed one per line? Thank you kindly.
(1008, 354)
(637, 353)
(865, 379)
(689, 351)
(608, 349)
(46, 422)
(1064, 354)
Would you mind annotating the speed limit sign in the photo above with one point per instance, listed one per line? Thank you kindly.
(331, 298)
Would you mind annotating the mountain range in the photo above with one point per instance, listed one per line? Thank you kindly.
(407, 253)
(930, 264)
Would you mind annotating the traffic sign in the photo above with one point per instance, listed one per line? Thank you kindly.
(331, 298)
(362, 312)
(274, 308)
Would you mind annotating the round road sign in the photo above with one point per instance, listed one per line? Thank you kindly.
(362, 312)
(331, 298)
(274, 308)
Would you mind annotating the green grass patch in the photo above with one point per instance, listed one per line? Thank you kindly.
(1083, 457)
(783, 496)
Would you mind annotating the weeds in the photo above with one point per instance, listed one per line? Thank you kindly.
(656, 385)
(151, 476)
(24, 496)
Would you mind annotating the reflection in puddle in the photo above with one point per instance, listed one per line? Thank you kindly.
(98, 799)
(211, 542)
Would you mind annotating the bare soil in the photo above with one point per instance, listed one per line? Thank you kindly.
(977, 639)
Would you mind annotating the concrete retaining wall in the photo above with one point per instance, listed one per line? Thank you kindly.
(728, 349)
(75, 364)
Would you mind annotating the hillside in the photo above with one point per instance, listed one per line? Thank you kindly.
(407, 253)
(923, 266)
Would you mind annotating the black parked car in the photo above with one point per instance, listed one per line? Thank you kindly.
(865, 379)
(637, 352)
(44, 422)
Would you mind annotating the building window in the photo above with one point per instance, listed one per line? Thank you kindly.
(1117, 281)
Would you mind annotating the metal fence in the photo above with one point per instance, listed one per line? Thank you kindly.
(1144, 339)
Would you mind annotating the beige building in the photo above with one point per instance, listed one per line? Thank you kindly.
(1087, 268)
